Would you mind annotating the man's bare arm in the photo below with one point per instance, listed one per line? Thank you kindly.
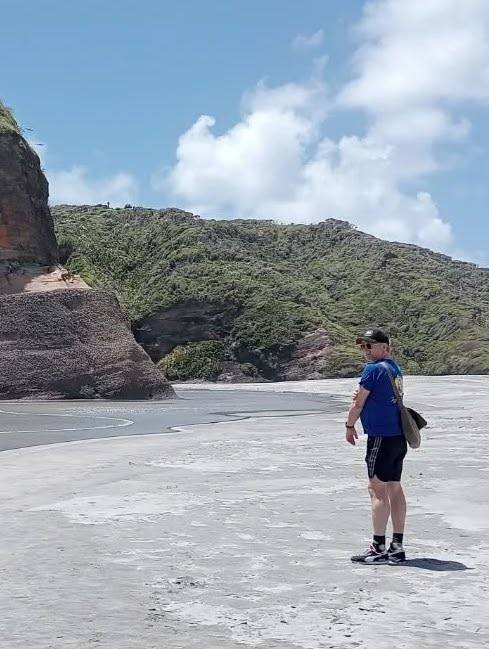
(359, 398)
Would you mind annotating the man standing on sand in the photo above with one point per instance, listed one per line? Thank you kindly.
(375, 404)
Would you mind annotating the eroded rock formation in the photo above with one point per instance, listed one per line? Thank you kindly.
(26, 227)
(308, 357)
(72, 344)
(192, 320)
(58, 338)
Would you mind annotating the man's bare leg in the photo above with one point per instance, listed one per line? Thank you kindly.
(381, 507)
(377, 551)
(397, 506)
(398, 514)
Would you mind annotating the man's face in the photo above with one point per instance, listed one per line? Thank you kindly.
(374, 351)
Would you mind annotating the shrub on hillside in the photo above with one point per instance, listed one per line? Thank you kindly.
(196, 360)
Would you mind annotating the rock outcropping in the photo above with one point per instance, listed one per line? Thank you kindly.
(26, 227)
(308, 357)
(192, 320)
(58, 338)
(72, 344)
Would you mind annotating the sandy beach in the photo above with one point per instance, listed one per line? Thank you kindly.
(238, 534)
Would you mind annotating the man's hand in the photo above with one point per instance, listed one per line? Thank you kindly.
(351, 436)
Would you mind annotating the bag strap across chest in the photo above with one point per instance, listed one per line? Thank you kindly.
(393, 383)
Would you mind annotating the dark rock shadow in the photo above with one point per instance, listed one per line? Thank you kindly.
(436, 565)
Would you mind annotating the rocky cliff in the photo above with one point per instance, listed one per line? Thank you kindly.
(26, 227)
(192, 320)
(72, 344)
(58, 337)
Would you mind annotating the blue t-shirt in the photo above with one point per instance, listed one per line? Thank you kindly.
(381, 416)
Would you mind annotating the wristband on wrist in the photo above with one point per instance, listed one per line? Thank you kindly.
(349, 426)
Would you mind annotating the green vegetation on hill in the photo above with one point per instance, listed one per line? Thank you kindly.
(285, 280)
(7, 120)
(197, 360)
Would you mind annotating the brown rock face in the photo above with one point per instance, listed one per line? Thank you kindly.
(189, 321)
(72, 343)
(58, 338)
(308, 357)
(26, 226)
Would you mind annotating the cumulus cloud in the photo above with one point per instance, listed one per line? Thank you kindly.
(308, 41)
(420, 53)
(276, 164)
(418, 64)
(75, 186)
(416, 67)
(258, 159)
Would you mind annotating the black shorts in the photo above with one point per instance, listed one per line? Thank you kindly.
(385, 456)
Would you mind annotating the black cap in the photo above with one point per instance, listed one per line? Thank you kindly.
(373, 336)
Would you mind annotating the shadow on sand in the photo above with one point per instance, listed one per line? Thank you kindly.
(434, 564)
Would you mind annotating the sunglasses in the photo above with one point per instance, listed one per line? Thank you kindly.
(368, 345)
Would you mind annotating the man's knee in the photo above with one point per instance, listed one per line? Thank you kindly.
(394, 490)
(377, 489)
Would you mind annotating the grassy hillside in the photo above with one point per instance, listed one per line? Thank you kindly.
(286, 280)
(7, 120)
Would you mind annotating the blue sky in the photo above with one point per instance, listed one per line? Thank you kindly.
(374, 112)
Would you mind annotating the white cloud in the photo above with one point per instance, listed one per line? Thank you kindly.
(308, 41)
(416, 68)
(420, 53)
(259, 158)
(275, 164)
(75, 186)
